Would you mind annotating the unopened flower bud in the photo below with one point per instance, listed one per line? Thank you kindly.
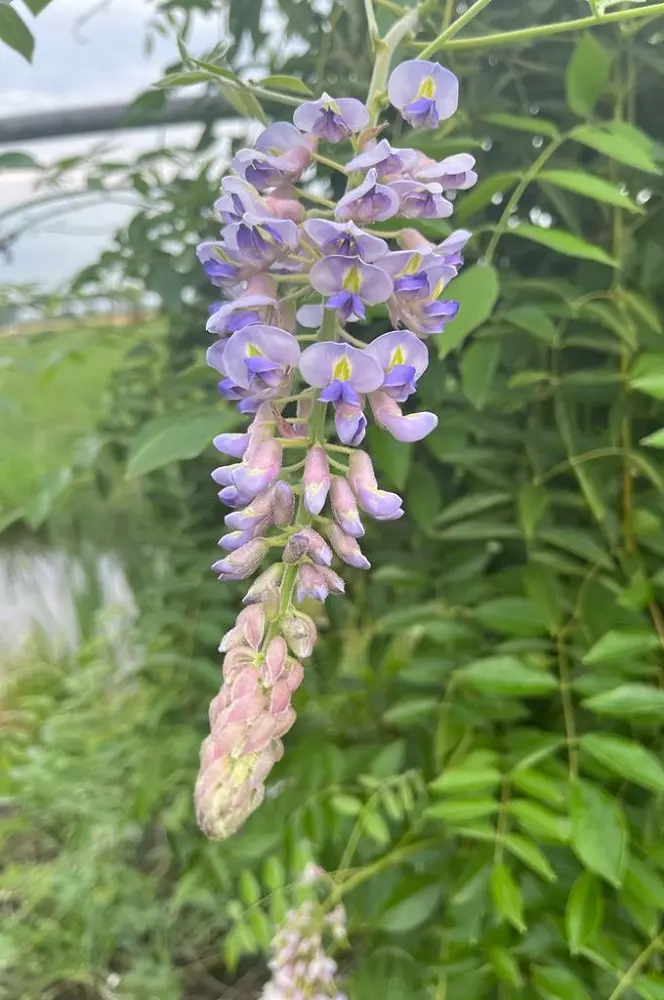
(235, 661)
(347, 548)
(283, 504)
(275, 661)
(316, 546)
(242, 562)
(310, 583)
(299, 631)
(269, 580)
(316, 479)
(344, 507)
(380, 504)
(258, 470)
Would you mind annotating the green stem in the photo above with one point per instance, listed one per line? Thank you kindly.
(525, 35)
(527, 178)
(636, 966)
(372, 24)
(332, 164)
(399, 30)
(454, 28)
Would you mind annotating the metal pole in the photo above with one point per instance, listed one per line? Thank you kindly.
(110, 118)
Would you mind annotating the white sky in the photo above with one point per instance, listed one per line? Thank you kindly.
(100, 62)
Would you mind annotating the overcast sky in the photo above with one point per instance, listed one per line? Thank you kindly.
(96, 62)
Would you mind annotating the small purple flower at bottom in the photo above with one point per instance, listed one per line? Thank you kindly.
(331, 119)
(369, 202)
(351, 284)
(424, 92)
(262, 240)
(389, 416)
(344, 374)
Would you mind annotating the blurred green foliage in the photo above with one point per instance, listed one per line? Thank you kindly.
(478, 754)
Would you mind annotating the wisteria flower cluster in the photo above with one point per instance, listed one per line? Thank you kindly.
(285, 270)
(299, 965)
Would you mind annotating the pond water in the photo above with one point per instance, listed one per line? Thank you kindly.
(54, 599)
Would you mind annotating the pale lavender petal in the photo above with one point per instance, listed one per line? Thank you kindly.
(331, 119)
(351, 424)
(311, 316)
(322, 363)
(399, 347)
(417, 80)
(421, 201)
(214, 356)
(234, 445)
(239, 197)
(327, 275)
(226, 318)
(387, 161)
(454, 172)
(345, 238)
(264, 341)
(369, 202)
(279, 137)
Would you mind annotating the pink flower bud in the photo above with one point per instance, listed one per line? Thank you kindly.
(300, 633)
(280, 697)
(246, 683)
(294, 674)
(251, 622)
(344, 507)
(236, 660)
(316, 479)
(275, 661)
(259, 509)
(258, 469)
(261, 732)
(283, 504)
(285, 208)
(264, 584)
(246, 708)
(333, 581)
(261, 284)
(410, 239)
(284, 722)
(347, 548)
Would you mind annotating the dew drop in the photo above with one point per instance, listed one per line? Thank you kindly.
(538, 142)
(643, 196)
(497, 198)
(534, 109)
(487, 144)
(513, 222)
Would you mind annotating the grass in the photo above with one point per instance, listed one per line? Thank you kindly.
(52, 394)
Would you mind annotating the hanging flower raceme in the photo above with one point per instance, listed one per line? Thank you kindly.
(299, 500)
(300, 967)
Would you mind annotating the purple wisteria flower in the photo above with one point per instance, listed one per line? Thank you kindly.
(403, 358)
(388, 162)
(238, 198)
(351, 284)
(421, 201)
(453, 173)
(257, 362)
(344, 374)
(368, 202)
(345, 239)
(331, 119)
(416, 275)
(279, 157)
(261, 240)
(280, 264)
(424, 92)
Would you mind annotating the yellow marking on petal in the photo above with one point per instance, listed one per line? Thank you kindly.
(342, 370)
(398, 357)
(413, 266)
(266, 235)
(440, 287)
(353, 280)
(332, 106)
(427, 88)
(254, 352)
